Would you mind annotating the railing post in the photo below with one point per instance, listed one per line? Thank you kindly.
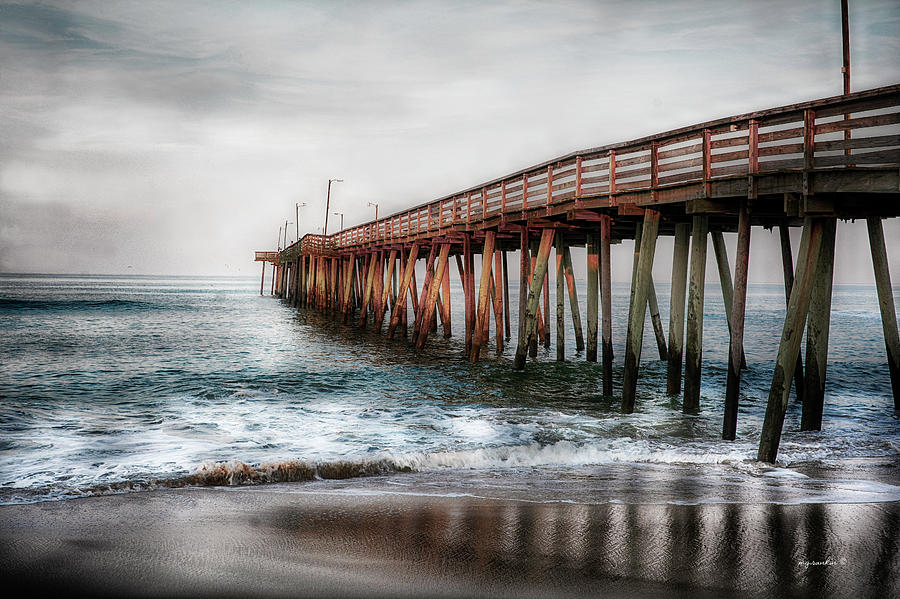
(468, 207)
(578, 174)
(549, 188)
(707, 162)
(483, 203)
(654, 169)
(612, 177)
(753, 158)
(809, 149)
(524, 193)
(503, 197)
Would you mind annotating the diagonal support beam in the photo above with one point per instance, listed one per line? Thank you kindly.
(640, 288)
(791, 336)
(528, 330)
(885, 303)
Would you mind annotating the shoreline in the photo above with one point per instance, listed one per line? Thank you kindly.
(286, 540)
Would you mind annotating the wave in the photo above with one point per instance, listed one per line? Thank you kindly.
(562, 454)
(70, 304)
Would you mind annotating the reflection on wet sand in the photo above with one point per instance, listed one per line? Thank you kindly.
(286, 540)
(809, 550)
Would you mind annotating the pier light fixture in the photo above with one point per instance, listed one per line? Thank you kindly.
(328, 203)
(286, 223)
(297, 207)
(341, 214)
(376, 208)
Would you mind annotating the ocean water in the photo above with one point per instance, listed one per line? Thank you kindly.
(123, 384)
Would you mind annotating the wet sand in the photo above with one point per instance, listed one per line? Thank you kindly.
(283, 540)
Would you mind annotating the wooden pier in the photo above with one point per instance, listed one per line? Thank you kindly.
(806, 165)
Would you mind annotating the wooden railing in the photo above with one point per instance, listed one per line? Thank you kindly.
(266, 256)
(855, 130)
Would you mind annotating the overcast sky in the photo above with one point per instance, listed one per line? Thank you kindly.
(175, 137)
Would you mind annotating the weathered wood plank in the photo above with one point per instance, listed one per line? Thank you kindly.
(885, 303)
(791, 335)
(527, 331)
(676, 307)
(640, 287)
(606, 302)
(817, 327)
(560, 301)
(787, 270)
(484, 290)
(736, 325)
(593, 292)
(694, 337)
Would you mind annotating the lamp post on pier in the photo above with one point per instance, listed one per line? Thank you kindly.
(298, 206)
(341, 214)
(286, 223)
(328, 204)
(376, 208)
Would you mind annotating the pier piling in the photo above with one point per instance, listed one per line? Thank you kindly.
(694, 337)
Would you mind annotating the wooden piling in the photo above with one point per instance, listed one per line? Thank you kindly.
(414, 294)
(433, 289)
(445, 307)
(787, 269)
(311, 291)
(560, 301)
(546, 316)
(482, 316)
(360, 280)
(301, 289)
(640, 288)
(817, 325)
(335, 287)
(527, 331)
(386, 295)
(655, 320)
(468, 295)
(694, 337)
(524, 276)
(539, 321)
(506, 317)
(791, 335)
(346, 304)
(406, 279)
(426, 283)
(736, 342)
(593, 292)
(378, 292)
(262, 281)
(885, 303)
(573, 298)
(496, 293)
(676, 307)
(721, 253)
(606, 302)
(652, 303)
(367, 289)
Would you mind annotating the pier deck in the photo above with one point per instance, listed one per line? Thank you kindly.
(809, 164)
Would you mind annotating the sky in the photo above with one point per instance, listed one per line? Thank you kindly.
(176, 137)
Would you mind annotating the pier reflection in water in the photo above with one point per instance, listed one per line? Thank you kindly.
(715, 550)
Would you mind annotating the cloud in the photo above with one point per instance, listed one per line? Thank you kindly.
(193, 128)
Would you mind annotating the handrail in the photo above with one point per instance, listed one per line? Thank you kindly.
(799, 136)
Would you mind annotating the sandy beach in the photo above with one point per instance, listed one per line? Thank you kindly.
(291, 541)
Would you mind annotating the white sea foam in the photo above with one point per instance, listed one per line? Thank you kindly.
(567, 453)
